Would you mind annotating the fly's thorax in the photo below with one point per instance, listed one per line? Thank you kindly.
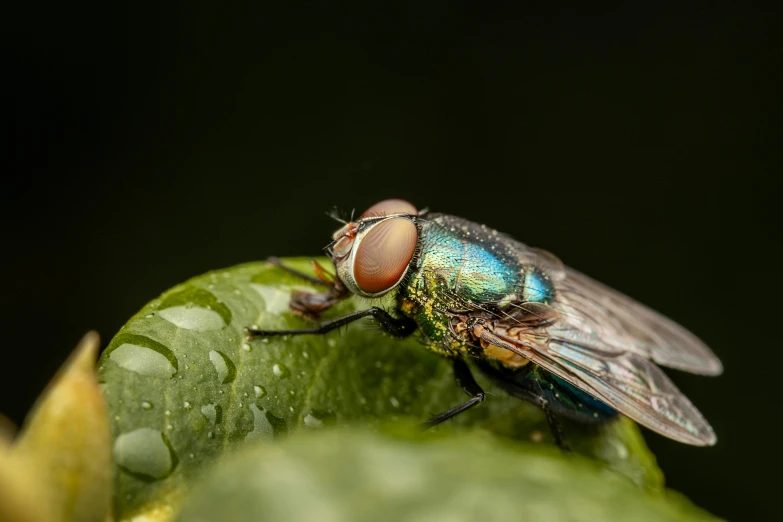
(475, 263)
(465, 333)
(424, 299)
(464, 266)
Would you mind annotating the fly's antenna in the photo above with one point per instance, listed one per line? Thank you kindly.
(337, 215)
(353, 211)
(328, 247)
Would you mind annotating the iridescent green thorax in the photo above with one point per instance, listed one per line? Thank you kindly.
(462, 266)
(465, 266)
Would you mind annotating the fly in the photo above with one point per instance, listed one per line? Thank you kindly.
(543, 331)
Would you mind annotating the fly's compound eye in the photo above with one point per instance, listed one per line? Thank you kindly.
(389, 207)
(383, 255)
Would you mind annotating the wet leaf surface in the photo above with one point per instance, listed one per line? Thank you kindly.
(185, 388)
(362, 476)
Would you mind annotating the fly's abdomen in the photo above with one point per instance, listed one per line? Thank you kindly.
(533, 384)
(536, 286)
(572, 402)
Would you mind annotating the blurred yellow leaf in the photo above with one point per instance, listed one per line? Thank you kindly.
(20, 499)
(7, 431)
(64, 445)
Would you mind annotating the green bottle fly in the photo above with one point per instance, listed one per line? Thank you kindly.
(546, 333)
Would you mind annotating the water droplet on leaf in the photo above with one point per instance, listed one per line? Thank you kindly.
(156, 360)
(195, 309)
(280, 370)
(311, 421)
(213, 413)
(193, 318)
(225, 368)
(145, 453)
(262, 428)
(275, 300)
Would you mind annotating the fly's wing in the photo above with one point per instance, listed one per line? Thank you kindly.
(617, 322)
(592, 307)
(607, 344)
(628, 382)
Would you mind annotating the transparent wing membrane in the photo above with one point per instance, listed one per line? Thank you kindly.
(607, 345)
(626, 381)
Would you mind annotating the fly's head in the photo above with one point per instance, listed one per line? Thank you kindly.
(372, 254)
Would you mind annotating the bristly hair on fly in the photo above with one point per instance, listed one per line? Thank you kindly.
(340, 215)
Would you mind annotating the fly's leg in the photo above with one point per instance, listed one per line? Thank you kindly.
(519, 384)
(534, 393)
(310, 304)
(398, 327)
(298, 273)
(554, 425)
(469, 385)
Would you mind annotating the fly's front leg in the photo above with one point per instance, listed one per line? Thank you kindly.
(298, 273)
(469, 385)
(310, 304)
(398, 327)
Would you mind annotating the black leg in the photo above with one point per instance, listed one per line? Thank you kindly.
(307, 277)
(520, 384)
(469, 385)
(402, 327)
(554, 425)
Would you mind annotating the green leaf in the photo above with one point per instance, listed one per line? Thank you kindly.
(361, 476)
(184, 387)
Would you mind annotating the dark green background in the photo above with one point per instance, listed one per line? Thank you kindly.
(152, 144)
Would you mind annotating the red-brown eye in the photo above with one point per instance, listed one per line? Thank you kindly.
(384, 254)
(390, 206)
